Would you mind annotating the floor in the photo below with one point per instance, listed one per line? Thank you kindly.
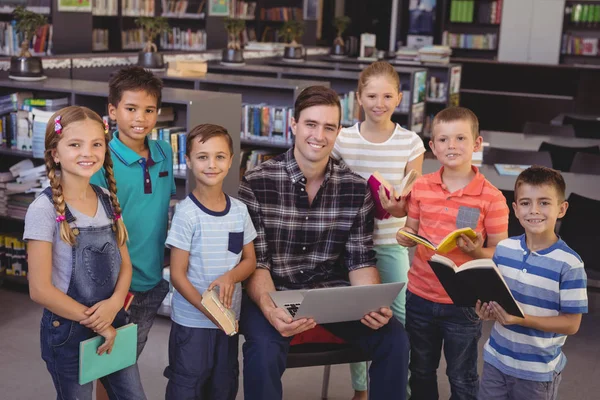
(23, 374)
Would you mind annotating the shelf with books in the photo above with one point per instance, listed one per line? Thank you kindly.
(581, 33)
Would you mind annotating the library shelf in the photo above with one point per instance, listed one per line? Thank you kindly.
(275, 144)
(15, 152)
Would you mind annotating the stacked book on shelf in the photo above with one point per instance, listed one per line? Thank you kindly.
(582, 15)
(137, 8)
(244, 9)
(183, 9)
(15, 129)
(487, 41)
(266, 123)
(13, 256)
(19, 186)
(183, 39)
(281, 14)
(435, 54)
(488, 12)
(105, 7)
(580, 46)
(10, 40)
(251, 158)
(100, 39)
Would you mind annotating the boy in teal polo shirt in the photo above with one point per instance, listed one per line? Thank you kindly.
(143, 170)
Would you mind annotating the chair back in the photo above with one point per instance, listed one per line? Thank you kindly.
(584, 127)
(562, 156)
(514, 226)
(538, 128)
(586, 163)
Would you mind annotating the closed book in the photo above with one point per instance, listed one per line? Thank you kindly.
(474, 280)
(124, 353)
(225, 317)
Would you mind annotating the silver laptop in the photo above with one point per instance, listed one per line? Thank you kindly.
(339, 304)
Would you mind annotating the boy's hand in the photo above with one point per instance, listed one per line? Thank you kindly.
(397, 208)
(226, 286)
(502, 316)
(378, 319)
(470, 246)
(484, 311)
(109, 335)
(102, 314)
(403, 240)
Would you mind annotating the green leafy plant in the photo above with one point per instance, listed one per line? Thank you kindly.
(152, 27)
(340, 24)
(28, 22)
(292, 31)
(234, 27)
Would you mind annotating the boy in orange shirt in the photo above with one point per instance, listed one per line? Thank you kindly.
(456, 196)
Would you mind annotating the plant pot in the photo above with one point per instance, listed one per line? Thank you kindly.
(27, 68)
(151, 60)
(337, 51)
(294, 53)
(233, 56)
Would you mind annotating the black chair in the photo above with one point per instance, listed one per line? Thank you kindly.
(579, 229)
(494, 155)
(584, 127)
(538, 128)
(562, 156)
(326, 354)
(586, 163)
(514, 226)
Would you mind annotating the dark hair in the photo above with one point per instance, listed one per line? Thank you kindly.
(452, 114)
(316, 96)
(378, 68)
(134, 78)
(205, 132)
(539, 176)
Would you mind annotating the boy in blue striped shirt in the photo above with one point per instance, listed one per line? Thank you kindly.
(523, 357)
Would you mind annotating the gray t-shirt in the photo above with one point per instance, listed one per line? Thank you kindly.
(40, 224)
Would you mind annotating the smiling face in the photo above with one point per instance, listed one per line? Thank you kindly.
(379, 98)
(537, 207)
(135, 115)
(210, 161)
(81, 149)
(316, 130)
(453, 143)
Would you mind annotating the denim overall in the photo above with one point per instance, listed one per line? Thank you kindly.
(96, 264)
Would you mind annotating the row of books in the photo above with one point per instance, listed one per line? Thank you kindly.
(37, 6)
(487, 41)
(10, 40)
(575, 45)
(266, 122)
(183, 39)
(244, 9)
(281, 14)
(583, 14)
(253, 157)
(105, 7)
(176, 137)
(137, 8)
(488, 12)
(13, 256)
(100, 39)
(183, 9)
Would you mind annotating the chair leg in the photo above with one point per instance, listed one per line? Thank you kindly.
(325, 390)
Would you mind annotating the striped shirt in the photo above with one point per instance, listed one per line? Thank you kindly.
(389, 158)
(479, 205)
(214, 241)
(309, 245)
(546, 283)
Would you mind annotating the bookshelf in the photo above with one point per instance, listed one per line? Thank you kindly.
(581, 33)
(9, 44)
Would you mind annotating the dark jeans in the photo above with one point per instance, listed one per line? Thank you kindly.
(265, 355)
(143, 309)
(203, 364)
(431, 325)
(496, 385)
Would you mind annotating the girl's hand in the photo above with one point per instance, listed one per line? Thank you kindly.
(226, 286)
(484, 311)
(403, 240)
(102, 314)
(397, 208)
(109, 335)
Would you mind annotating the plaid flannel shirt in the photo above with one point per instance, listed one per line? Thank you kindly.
(309, 245)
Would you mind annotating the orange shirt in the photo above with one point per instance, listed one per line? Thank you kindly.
(478, 205)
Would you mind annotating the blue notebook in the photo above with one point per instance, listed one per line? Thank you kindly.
(123, 354)
(510, 169)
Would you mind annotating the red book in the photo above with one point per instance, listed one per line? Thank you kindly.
(376, 180)
(128, 300)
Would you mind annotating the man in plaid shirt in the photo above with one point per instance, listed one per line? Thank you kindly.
(314, 220)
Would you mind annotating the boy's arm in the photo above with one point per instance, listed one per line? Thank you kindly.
(565, 324)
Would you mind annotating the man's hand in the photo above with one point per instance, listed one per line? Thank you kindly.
(285, 325)
(502, 316)
(226, 286)
(396, 208)
(102, 314)
(376, 320)
(484, 311)
(468, 246)
(109, 335)
(403, 240)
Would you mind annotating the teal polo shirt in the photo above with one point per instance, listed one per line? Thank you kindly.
(144, 189)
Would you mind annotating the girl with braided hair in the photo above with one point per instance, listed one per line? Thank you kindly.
(80, 269)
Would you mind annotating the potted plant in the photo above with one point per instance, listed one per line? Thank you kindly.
(340, 23)
(149, 57)
(233, 54)
(25, 66)
(292, 31)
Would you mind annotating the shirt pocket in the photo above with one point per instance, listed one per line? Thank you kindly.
(236, 242)
(467, 217)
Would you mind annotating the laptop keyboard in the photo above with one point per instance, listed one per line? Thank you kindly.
(292, 308)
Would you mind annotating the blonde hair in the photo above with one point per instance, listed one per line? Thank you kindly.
(69, 115)
(378, 68)
(452, 114)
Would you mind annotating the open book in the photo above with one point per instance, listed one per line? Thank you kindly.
(376, 180)
(224, 316)
(474, 280)
(446, 245)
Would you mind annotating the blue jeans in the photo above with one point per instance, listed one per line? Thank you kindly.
(496, 385)
(143, 310)
(430, 326)
(265, 355)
